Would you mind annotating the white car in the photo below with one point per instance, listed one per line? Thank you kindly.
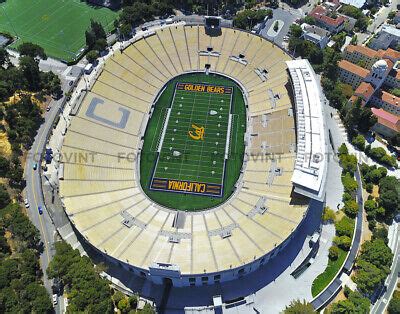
(55, 299)
(26, 203)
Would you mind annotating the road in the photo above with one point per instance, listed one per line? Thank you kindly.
(33, 192)
(381, 17)
(382, 303)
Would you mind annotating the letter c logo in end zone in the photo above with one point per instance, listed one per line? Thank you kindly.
(186, 187)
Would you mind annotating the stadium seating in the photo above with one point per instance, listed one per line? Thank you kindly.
(98, 192)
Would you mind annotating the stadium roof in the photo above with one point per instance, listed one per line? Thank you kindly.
(311, 164)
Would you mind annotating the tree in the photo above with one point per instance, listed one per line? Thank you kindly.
(390, 201)
(4, 196)
(29, 68)
(359, 142)
(299, 307)
(343, 306)
(88, 292)
(343, 150)
(370, 206)
(355, 303)
(125, 30)
(345, 227)
(4, 166)
(394, 305)
(92, 55)
(351, 208)
(333, 253)
(380, 233)
(148, 309)
(377, 253)
(123, 305)
(4, 57)
(328, 215)
(368, 277)
(32, 50)
(354, 40)
(343, 242)
(133, 301)
(350, 185)
(51, 83)
(97, 29)
(309, 20)
(296, 31)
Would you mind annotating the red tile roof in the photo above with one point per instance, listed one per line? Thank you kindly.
(389, 98)
(320, 13)
(365, 90)
(387, 119)
(365, 51)
(353, 68)
(391, 53)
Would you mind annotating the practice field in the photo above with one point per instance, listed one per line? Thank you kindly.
(194, 143)
(195, 140)
(56, 25)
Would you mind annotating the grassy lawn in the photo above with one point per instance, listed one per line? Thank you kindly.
(56, 25)
(330, 272)
(200, 159)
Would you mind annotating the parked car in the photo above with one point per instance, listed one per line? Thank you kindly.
(26, 203)
(48, 108)
(35, 166)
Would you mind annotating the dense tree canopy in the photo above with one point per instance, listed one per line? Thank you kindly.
(86, 290)
(299, 307)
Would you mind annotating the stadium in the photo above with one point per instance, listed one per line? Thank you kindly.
(206, 147)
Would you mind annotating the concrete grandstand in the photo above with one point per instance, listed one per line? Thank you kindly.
(100, 186)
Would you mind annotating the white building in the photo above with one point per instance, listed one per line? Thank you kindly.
(389, 36)
(315, 34)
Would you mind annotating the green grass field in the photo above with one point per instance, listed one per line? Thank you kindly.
(56, 25)
(199, 160)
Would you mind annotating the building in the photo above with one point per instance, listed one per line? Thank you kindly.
(367, 71)
(315, 34)
(389, 36)
(387, 101)
(388, 124)
(351, 73)
(368, 56)
(358, 59)
(396, 19)
(328, 20)
(355, 3)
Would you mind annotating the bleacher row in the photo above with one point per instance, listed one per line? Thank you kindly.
(101, 190)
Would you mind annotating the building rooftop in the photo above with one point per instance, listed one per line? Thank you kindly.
(362, 50)
(389, 53)
(320, 13)
(353, 68)
(387, 119)
(355, 3)
(391, 30)
(365, 90)
(389, 98)
(312, 29)
(310, 168)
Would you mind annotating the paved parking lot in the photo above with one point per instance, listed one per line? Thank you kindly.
(288, 19)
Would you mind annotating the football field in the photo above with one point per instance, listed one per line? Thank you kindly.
(181, 164)
(56, 25)
(194, 143)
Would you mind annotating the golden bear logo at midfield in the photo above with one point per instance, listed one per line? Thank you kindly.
(198, 133)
